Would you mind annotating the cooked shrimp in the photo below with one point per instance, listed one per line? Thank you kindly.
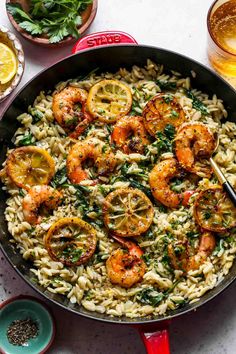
(93, 149)
(130, 134)
(65, 112)
(206, 247)
(179, 253)
(194, 142)
(159, 181)
(126, 268)
(36, 197)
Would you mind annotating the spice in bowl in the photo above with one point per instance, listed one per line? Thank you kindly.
(20, 331)
(54, 20)
(26, 326)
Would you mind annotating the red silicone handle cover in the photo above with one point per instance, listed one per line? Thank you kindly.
(156, 342)
(102, 39)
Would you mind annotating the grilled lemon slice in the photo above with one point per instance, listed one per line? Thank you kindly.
(29, 166)
(128, 212)
(109, 100)
(214, 211)
(161, 110)
(71, 241)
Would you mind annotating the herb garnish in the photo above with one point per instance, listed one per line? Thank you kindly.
(133, 179)
(176, 185)
(164, 140)
(207, 215)
(36, 115)
(60, 178)
(147, 258)
(71, 253)
(197, 104)
(150, 296)
(166, 85)
(26, 140)
(219, 247)
(56, 18)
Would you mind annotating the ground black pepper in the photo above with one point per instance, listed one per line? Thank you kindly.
(20, 331)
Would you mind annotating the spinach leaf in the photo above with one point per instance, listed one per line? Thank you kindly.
(164, 140)
(147, 258)
(146, 190)
(150, 296)
(197, 104)
(169, 131)
(60, 178)
(192, 234)
(166, 85)
(36, 114)
(26, 140)
(220, 247)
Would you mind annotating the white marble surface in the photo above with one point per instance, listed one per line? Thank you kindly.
(180, 26)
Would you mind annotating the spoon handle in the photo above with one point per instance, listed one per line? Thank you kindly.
(222, 179)
(230, 191)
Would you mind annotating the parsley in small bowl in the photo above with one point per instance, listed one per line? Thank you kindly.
(51, 22)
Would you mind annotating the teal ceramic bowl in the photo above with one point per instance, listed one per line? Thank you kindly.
(22, 307)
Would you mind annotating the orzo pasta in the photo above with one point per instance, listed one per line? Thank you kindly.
(130, 160)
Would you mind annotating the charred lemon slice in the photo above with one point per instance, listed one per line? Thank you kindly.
(109, 100)
(128, 212)
(29, 166)
(214, 211)
(71, 241)
(161, 110)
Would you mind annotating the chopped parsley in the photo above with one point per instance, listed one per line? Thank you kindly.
(167, 99)
(174, 113)
(207, 215)
(72, 254)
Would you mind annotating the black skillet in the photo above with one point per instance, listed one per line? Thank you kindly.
(154, 330)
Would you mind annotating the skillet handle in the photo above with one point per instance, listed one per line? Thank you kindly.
(104, 38)
(156, 342)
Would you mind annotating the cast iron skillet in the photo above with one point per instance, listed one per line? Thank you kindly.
(109, 58)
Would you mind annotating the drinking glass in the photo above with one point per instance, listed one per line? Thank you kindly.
(221, 22)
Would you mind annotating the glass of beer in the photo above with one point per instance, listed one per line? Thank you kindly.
(221, 22)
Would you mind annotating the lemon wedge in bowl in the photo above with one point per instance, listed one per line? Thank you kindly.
(8, 64)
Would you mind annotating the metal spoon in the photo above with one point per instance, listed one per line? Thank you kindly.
(221, 177)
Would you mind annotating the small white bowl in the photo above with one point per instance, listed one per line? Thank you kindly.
(10, 40)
